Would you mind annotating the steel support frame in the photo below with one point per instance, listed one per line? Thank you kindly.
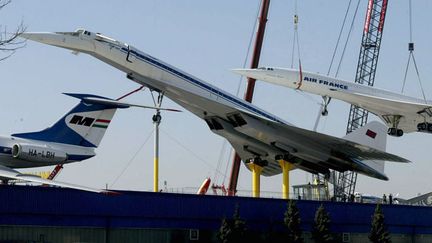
(366, 69)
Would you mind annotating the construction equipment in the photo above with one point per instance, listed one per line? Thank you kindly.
(366, 68)
(232, 187)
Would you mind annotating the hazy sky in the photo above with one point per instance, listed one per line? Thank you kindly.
(206, 39)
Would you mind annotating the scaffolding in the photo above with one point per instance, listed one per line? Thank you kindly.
(366, 68)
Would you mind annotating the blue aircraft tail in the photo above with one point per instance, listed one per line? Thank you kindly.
(84, 125)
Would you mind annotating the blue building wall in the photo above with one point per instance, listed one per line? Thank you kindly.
(48, 206)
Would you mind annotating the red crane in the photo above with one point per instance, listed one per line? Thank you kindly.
(232, 188)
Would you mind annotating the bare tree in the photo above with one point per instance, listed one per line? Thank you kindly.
(9, 41)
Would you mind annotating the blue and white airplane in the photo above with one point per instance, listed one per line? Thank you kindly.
(255, 134)
(71, 139)
(401, 113)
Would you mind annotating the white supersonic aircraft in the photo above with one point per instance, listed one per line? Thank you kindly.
(71, 139)
(256, 135)
(401, 113)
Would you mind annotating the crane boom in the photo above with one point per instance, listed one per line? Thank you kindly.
(232, 187)
(366, 69)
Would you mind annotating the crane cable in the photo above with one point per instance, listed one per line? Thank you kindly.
(296, 41)
(411, 55)
(347, 39)
(191, 151)
(225, 142)
(339, 37)
(142, 145)
(319, 115)
(132, 159)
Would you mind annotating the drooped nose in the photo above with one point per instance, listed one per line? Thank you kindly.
(70, 41)
(44, 37)
(251, 73)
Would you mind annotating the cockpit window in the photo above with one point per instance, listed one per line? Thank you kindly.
(266, 68)
(79, 32)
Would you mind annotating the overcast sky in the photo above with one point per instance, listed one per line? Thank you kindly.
(206, 39)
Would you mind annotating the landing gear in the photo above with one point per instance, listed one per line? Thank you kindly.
(324, 112)
(424, 127)
(394, 122)
(326, 101)
(395, 132)
(157, 102)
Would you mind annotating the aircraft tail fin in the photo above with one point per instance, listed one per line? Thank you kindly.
(84, 125)
(374, 135)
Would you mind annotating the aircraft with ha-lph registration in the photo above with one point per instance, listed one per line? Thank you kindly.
(71, 139)
(401, 113)
(256, 135)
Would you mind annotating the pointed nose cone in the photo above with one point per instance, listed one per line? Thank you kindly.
(251, 73)
(43, 37)
(28, 35)
(31, 35)
(69, 41)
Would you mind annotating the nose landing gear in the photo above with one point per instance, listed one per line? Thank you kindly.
(393, 120)
(326, 101)
(395, 132)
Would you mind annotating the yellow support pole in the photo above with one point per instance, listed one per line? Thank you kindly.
(156, 121)
(256, 173)
(286, 167)
(156, 174)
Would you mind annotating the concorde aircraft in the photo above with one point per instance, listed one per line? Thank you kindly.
(71, 139)
(401, 113)
(256, 135)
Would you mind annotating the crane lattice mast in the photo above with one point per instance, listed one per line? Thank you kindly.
(366, 68)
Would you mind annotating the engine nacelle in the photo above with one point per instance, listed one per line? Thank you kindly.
(34, 153)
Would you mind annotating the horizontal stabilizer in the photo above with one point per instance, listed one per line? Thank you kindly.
(95, 99)
(92, 100)
(84, 125)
